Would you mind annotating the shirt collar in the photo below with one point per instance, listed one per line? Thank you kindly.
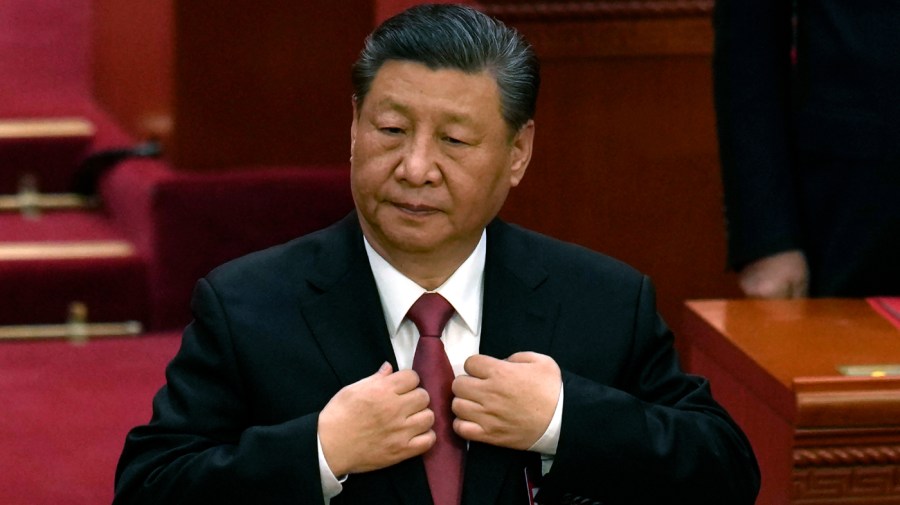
(463, 289)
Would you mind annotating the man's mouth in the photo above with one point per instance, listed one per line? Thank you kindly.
(415, 208)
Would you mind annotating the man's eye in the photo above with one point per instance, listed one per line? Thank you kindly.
(454, 141)
(391, 130)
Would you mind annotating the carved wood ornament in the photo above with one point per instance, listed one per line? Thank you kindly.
(598, 9)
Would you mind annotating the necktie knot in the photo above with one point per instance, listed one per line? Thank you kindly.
(430, 314)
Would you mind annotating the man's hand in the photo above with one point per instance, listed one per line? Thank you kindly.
(376, 422)
(507, 403)
(782, 275)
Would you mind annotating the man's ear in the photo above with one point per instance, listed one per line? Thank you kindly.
(353, 126)
(522, 146)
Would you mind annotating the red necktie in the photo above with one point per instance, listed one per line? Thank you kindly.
(444, 461)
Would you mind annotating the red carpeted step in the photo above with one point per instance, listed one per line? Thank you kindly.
(66, 411)
(50, 262)
(45, 152)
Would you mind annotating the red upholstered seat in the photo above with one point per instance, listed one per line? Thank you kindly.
(158, 231)
(188, 223)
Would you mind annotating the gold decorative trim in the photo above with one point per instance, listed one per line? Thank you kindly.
(847, 456)
(13, 251)
(598, 9)
(77, 332)
(13, 129)
(26, 201)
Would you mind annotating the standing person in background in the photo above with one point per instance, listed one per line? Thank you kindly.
(421, 350)
(810, 144)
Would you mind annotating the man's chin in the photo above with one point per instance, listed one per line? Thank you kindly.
(412, 244)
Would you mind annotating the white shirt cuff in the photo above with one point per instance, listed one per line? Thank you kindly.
(331, 485)
(549, 441)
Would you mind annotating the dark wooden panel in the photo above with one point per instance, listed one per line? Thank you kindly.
(243, 83)
(132, 63)
(626, 159)
(265, 82)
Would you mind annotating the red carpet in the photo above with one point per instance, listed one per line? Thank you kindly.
(66, 410)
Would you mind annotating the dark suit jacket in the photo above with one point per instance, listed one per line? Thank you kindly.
(811, 151)
(279, 332)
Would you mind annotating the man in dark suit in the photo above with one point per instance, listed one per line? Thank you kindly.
(810, 145)
(298, 381)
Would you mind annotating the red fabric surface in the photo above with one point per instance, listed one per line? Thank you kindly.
(182, 224)
(40, 290)
(187, 223)
(33, 291)
(51, 161)
(202, 220)
(888, 307)
(128, 193)
(44, 50)
(62, 226)
(66, 411)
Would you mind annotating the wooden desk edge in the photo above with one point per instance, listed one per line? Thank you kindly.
(852, 402)
(705, 338)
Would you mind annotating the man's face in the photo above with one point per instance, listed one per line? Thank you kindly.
(432, 159)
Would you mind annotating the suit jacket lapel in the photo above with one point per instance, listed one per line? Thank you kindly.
(346, 318)
(517, 316)
(347, 321)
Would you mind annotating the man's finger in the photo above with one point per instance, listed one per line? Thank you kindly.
(481, 366)
(469, 430)
(422, 442)
(403, 381)
(466, 409)
(421, 421)
(523, 357)
(465, 386)
(383, 371)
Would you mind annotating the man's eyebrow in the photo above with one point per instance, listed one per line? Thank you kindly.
(459, 119)
(389, 103)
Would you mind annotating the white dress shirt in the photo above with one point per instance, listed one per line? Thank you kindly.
(462, 334)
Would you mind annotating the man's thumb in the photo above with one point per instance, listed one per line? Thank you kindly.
(385, 370)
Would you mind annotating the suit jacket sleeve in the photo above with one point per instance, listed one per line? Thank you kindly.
(654, 436)
(752, 82)
(198, 448)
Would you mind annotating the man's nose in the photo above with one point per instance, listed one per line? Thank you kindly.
(419, 165)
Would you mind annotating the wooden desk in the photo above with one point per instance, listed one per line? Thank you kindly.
(821, 437)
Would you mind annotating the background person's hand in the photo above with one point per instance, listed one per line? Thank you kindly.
(376, 422)
(782, 275)
(507, 403)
